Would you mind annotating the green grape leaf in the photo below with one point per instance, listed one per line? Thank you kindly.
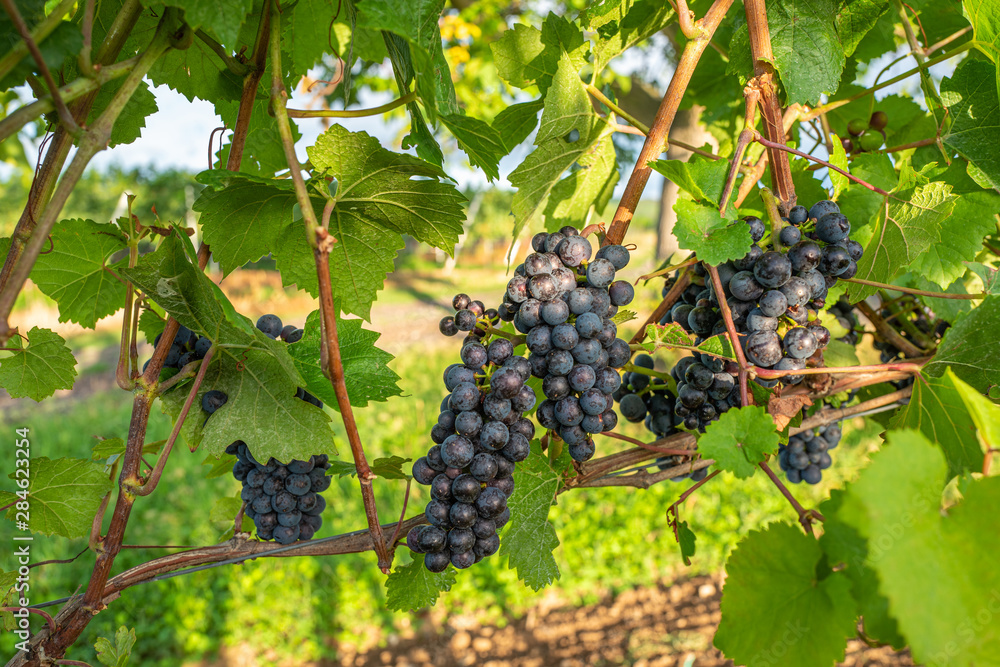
(8, 598)
(530, 540)
(65, 41)
(412, 586)
(989, 276)
(627, 25)
(855, 18)
(861, 205)
(526, 56)
(847, 551)
(117, 654)
(41, 368)
(896, 504)
(130, 123)
(366, 371)
(481, 143)
(807, 50)
(777, 607)
(151, 324)
(516, 122)
(568, 131)
(719, 346)
(242, 216)
(971, 97)
(714, 238)
(903, 232)
(739, 439)
(224, 512)
(686, 541)
(985, 414)
(416, 21)
(969, 347)
(107, 447)
(666, 335)
(63, 496)
(702, 178)
(307, 33)
(937, 410)
(586, 188)
(256, 373)
(623, 316)
(194, 72)
(221, 17)
(74, 273)
(220, 467)
(838, 159)
(838, 353)
(984, 15)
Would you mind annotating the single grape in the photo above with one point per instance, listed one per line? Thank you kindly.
(772, 270)
(798, 215)
(618, 255)
(743, 286)
(574, 250)
(800, 343)
(764, 348)
(773, 303)
(757, 228)
(833, 227)
(600, 273)
(621, 293)
(804, 256)
(790, 235)
(821, 208)
(269, 325)
(465, 320)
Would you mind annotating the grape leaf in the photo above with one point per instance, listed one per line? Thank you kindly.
(117, 654)
(847, 551)
(74, 275)
(666, 335)
(719, 346)
(128, 127)
(984, 15)
(194, 72)
(256, 373)
(366, 373)
(715, 239)
(937, 410)
(481, 143)
(107, 447)
(969, 347)
(739, 439)
(306, 32)
(38, 370)
(516, 122)
(971, 97)
(242, 216)
(807, 50)
(65, 41)
(627, 25)
(587, 188)
(530, 540)
(412, 586)
(855, 18)
(838, 159)
(895, 503)
(263, 154)
(379, 197)
(686, 541)
(526, 56)
(420, 137)
(63, 495)
(860, 204)
(221, 17)
(989, 276)
(8, 598)
(903, 232)
(416, 21)
(702, 178)
(777, 608)
(569, 129)
(985, 414)
(220, 467)
(224, 512)
(838, 353)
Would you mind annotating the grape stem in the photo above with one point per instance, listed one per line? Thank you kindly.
(65, 116)
(353, 113)
(903, 367)
(323, 242)
(771, 144)
(43, 614)
(653, 448)
(835, 415)
(806, 517)
(402, 515)
(658, 132)
(727, 317)
(662, 272)
(672, 510)
(751, 97)
(918, 292)
(888, 333)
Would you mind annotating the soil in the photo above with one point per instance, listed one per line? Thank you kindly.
(663, 626)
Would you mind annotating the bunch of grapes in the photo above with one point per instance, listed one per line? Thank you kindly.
(467, 316)
(480, 434)
(282, 499)
(563, 302)
(807, 454)
(187, 347)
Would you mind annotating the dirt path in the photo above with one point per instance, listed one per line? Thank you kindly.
(664, 626)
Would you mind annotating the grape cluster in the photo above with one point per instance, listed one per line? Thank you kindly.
(467, 317)
(563, 302)
(187, 347)
(479, 435)
(866, 135)
(807, 454)
(770, 292)
(283, 500)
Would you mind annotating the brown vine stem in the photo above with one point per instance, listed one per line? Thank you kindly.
(782, 147)
(644, 445)
(903, 367)
(683, 280)
(918, 292)
(947, 40)
(913, 144)
(657, 135)
(628, 129)
(55, 157)
(321, 240)
(770, 107)
(887, 332)
(353, 113)
(644, 479)
(834, 415)
(727, 317)
(752, 98)
(78, 663)
(805, 516)
(154, 477)
(30, 610)
(754, 172)
(22, 29)
(690, 492)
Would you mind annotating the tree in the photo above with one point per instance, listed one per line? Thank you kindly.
(907, 206)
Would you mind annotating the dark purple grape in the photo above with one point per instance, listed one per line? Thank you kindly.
(493, 435)
(773, 303)
(491, 502)
(798, 215)
(772, 270)
(506, 383)
(800, 343)
(457, 451)
(600, 273)
(797, 291)
(790, 235)
(746, 262)
(465, 320)
(568, 411)
(743, 286)
(835, 261)
(574, 250)
(804, 256)
(821, 208)
(564, 336)
(764, 348)
(621, 293)
(474, 355)
(462, 515)
(618, 255)
(833, 227)
(757, 228)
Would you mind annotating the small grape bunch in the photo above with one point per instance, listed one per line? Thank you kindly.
(282, 499)
(564, 302)
(467, 317)
(807, 454)
(866, 136)
(187, 347)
